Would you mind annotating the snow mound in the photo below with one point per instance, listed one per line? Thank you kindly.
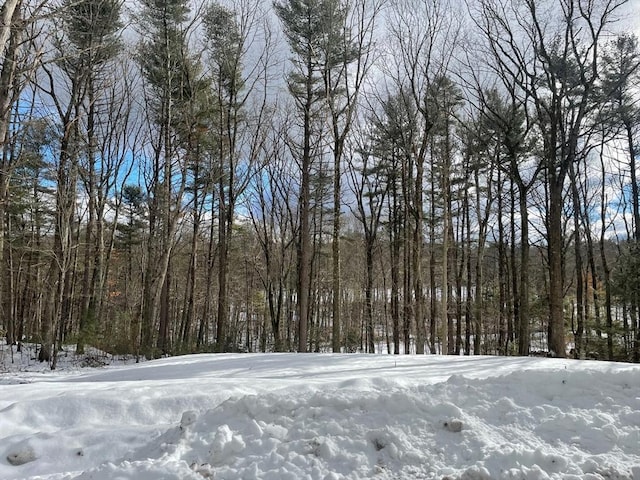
(528, 425)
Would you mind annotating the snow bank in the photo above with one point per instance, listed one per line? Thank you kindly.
(311, 417)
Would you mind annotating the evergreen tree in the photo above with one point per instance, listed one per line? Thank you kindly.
(226, 48)
(91, 42)
(503, 120)
(621, 113)
(86, 39)
(314, 30)
(169, 72)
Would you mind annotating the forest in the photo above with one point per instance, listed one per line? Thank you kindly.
(401, 176)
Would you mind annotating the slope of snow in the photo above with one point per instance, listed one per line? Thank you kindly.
(328, 417)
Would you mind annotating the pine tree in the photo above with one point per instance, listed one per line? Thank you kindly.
(620, 112)
(226, 48)
(90, 43)
(86, 39)
(314, 30)
(169, 72)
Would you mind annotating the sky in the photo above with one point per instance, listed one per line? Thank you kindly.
(320, 416)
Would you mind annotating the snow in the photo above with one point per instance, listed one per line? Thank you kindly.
(324, 416)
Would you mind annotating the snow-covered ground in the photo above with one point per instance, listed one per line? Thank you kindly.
(307, 416)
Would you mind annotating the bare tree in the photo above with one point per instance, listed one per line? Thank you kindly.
(239, 47)
(21, 41)
(274, 224)
(552, 55)
(368, 179)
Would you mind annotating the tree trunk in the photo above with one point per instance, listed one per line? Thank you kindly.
(9, 11)
(394, 244)
(635, 202)
(577, 213)
(502, 273)
(222, 331)
(418, 290)
(524, 334)
(555, 247)
(433, 284)
(9, 44)
(304, 241)
(335, 247)
(369, 297)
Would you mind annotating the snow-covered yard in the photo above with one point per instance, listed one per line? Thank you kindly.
(299, 416)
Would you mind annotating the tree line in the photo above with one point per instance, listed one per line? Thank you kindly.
(424, 176)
